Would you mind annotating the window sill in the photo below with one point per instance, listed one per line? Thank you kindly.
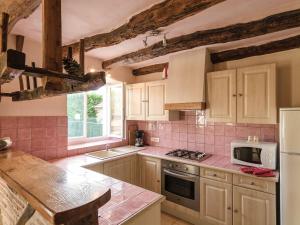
(95, 144)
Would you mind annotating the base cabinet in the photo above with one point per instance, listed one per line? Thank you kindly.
(215, 202)
(123, 169)
(150, 176)
(253, 207)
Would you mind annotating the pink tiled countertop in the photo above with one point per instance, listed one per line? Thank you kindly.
(127, 200)
(219, 162)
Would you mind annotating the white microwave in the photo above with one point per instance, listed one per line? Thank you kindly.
(256, 154)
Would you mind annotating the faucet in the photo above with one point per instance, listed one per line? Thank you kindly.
(107, 147)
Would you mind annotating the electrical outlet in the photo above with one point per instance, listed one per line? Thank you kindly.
(154, 139)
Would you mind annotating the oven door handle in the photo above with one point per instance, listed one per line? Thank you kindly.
(181, 175)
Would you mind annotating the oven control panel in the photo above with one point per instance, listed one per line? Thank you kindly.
(181, 167)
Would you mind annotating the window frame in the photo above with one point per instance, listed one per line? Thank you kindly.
(107, 121)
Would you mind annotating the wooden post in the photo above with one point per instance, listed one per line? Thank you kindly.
(19, 47)
(4, 31)
(34, 78)
(70, 53)
(81, 55)
(52, 41)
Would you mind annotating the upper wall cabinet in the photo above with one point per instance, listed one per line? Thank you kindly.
(245, 95)
(221, 91)
(256, 91)
(145, 101)
(135, 97)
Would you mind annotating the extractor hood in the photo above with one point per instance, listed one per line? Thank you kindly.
(186, 80)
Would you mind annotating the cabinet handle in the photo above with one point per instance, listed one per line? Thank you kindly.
(145, 101)
(241, 95)
(158, 181)
(214, 175)
(235, 211)
(252, 183)
(234, 95)
(229, 208)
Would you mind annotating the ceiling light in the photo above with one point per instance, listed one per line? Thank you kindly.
(92, 70)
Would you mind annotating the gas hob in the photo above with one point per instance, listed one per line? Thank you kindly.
(186, 154)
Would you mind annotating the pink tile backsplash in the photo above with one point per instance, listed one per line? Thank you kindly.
(210, 137)
(44, 137)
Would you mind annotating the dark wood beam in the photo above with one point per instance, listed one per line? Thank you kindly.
(270, 47)
(93, 82)
(149, 69)
(18, 9)
(52, 41)
(270, 24)
(160, 15)
(19, 47)
(81, 55)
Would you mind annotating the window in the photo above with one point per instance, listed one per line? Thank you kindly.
(96, 114)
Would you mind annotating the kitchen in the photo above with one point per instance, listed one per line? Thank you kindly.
(165, 112)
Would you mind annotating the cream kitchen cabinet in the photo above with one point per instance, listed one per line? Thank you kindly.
(221, 88)
(135, 101)
(253, 207)
(215, 202)
(256, 94)
(123, 169)
(150, 173)
(145, 101)
(245, 95)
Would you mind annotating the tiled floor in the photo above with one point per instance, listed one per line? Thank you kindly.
(167, 219)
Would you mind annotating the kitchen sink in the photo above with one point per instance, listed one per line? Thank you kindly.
(113, 152)
(104, 154)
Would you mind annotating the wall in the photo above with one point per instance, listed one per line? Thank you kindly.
(209, 137)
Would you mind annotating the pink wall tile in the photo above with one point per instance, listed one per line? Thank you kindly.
(210, 137)
(44, 137)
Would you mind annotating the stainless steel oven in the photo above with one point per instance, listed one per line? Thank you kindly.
(181, 184)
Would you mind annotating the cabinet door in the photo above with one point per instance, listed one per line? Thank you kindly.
(221, 88)
(216, 202)
(253, 207)
(123, 169)
(156, 95)
(150, 174)
(135, 101)
(257, 94)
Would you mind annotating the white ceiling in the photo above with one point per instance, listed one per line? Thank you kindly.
(81, 19)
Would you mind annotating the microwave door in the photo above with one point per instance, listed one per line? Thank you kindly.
(248, 155)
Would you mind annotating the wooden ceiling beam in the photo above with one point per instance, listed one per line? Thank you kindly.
(149, 69)
(270, 47)
(160, 15)
(270, 24)
(18, 9)
(93, 81)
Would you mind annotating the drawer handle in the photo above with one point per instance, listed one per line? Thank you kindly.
(158, 181)
(235, 211)
(234, 95)
(252, 183)
(229, 208)
(214, 175)
(241, 95)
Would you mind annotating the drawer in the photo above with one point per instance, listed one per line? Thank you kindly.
(216, 175)
(254, 183)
